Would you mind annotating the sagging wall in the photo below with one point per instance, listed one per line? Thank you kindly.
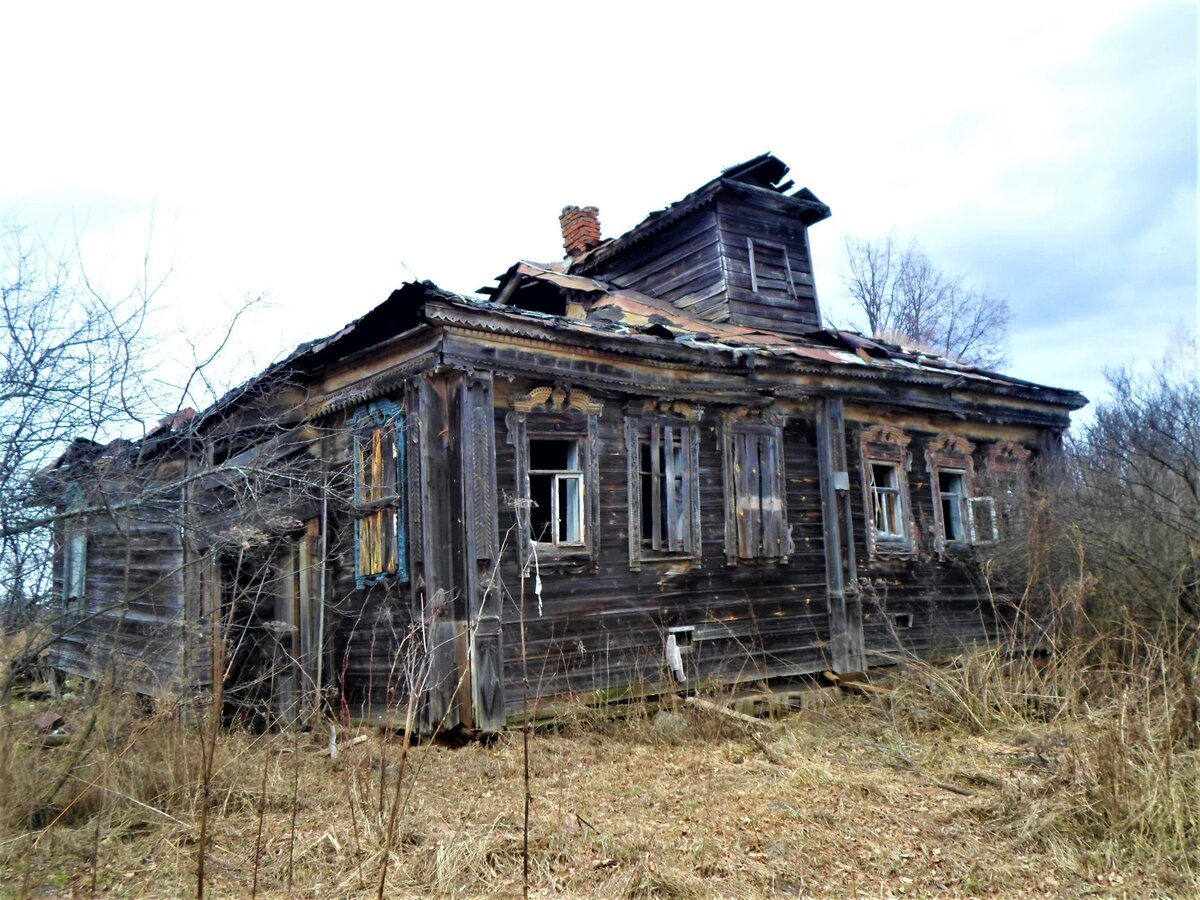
(932, 598)
(600, 629)
(129, 618)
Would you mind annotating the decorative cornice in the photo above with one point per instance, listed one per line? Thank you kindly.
(557, 398)
(678, 409)
(886, 434)
(947, 444)
(1008, 456)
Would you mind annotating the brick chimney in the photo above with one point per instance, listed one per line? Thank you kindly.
(580, 229)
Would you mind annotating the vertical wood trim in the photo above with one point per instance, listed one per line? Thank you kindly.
(845, 613)
(672, 510)
(655, 487)
(729, 491)
(591, 484)
(753, 271)
(691, 485)
(787, 268)
(480, 461)
(633, 491)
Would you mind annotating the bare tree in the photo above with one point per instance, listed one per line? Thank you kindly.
(69, 368)
(1136, 492)
(905, 296)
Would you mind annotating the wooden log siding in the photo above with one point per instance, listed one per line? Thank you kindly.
(768, 271)
(603, 634)
(131, 614)
(920, 604)
(683, 263)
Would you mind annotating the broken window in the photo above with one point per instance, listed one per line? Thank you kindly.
(960, 517)
(556, 489)
(887, 502)
(757, 527)
(74, 561)
(379, 497)
(885, 464)
(952, 494)
(664, 488)
(553, 433)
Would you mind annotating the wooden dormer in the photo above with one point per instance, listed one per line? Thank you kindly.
(735, 250)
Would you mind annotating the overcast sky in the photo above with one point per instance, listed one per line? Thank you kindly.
(321, 155)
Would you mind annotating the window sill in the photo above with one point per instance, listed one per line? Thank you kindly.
(893, 550)
(552, 558)
(758, 561)
(361, 582)
(685, 561)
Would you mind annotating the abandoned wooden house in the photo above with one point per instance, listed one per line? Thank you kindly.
(645, 467)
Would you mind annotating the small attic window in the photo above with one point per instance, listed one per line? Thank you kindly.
(659, 331)
(770, 269)
(537, 296)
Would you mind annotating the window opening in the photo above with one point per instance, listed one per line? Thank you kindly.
(885, 500)
(952, 496)
(380, 547)
(982, 515)
(664, 507)
(556, 487)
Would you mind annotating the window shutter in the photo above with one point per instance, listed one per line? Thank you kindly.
(747, 470)
(774, 528)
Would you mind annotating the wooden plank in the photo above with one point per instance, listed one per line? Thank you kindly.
(708, 706)
(746, 487)
(669, 475)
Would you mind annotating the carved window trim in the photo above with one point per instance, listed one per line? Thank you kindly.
(653, 425)
(1007, 474)
(756, 520)
(379, 428)
(886, 445)
(557, 412)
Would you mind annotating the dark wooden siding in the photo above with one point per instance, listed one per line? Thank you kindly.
(132, 613)
(604, 633)
(945, 596)
(372, 646)
(681, 264)
(772, 305)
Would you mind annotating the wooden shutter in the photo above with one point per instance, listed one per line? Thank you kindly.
(748, 512)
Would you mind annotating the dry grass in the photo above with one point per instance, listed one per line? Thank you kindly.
(941, 788)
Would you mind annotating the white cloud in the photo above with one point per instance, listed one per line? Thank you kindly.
(323, 156)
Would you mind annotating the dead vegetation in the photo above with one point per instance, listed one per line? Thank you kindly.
(991, 775)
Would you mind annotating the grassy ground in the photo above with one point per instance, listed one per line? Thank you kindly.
(876, 796)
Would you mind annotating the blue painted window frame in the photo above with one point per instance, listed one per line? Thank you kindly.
(366, 420)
